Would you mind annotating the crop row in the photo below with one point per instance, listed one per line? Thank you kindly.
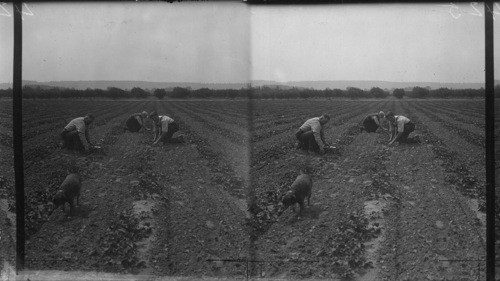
(238, 138)
(467, 135)
(101, 112)
(232, 110)
(459, 173)
(239, 126)
(457, 115)
(472, 108)
(210, 112)
(475, 125)
(263, 111)
(40, 112)
(468, 107)
(208, 143)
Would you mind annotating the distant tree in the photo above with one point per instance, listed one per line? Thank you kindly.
(160, 93)
(114, 93)
(6, 93)
(442, 93)
(338, 93)
(419, 92)
(398, 93)
(179, 92)
(203, 93)
(376, 92)
(353, 92)
(139, 93)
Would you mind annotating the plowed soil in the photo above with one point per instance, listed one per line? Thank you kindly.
(210, 207)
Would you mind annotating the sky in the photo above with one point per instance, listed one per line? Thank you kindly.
(400, 43)
(232, 42)
(158, 42)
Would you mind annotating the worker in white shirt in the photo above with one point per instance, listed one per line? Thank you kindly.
(311, 132)
(400, 128)
(372, 122)
(75, 135)
(164, 128)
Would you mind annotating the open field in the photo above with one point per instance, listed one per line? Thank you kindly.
(409, 212)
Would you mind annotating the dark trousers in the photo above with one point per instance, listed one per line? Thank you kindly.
(409, 127)
(307, 140)
(71, 140)
(370, 125)
(132, 124)
(172, 128)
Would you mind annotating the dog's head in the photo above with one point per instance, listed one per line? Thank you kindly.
(59, 199)
(289, 199)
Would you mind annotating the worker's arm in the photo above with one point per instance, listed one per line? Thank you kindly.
(322, 136)
(398, 135)
(164, 130)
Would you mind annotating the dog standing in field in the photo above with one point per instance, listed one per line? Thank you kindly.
(300, 189)
(70, 188)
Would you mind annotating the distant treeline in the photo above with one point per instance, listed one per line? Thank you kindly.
(263, 92)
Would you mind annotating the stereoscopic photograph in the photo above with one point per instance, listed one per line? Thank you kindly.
(237, 141)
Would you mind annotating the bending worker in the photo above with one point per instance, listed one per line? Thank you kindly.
(164, 128)
(75, 135)
(311, 132)
(136, 122)
(400, 128)
(371, 123)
